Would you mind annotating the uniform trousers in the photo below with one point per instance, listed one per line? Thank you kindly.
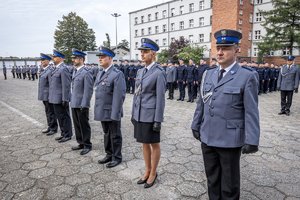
(222, 168)
(14, 74)
(181, 87)
(131, 85)
(63, 115)
(170, 87)
(5, 76)
(82, 127)
(51, 118)
(28, 74)
(286, 100)
(112, 139)
(191, 94)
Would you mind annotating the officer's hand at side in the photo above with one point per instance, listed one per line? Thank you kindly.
(132, 120)
(296, 90)
(196, 134)
(248, 148)
(65, 104)
(156, 126)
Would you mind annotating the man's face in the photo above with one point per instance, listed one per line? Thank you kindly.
(77, 61)
(105, 61)
(44, 63)
(289, 62)
(147, 56)
(191, 62)
(181, 62)
(57, 60)
(226, 55)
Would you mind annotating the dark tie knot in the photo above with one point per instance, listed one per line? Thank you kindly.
(221, 74)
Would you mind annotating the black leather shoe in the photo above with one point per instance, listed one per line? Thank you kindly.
(59, 138)
(106, 159)
(46, 131)
(281, 113)
(51, 133)
(78, 147)
(141, 181)
(85, 151)
(149, 185)
(287, 113)
(113, 164)
(188, 101)
(64, 139)
(178, 99)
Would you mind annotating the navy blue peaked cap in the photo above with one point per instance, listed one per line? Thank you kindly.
(104, 51)
(76, 52)
(44, 56)
(227, 37)
(148, 44)
(58, 54)
(291, 58)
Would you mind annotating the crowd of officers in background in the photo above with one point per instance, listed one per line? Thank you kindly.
(180, 75)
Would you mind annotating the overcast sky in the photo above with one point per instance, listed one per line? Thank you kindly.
(27, 26)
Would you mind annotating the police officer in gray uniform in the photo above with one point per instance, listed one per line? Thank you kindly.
(43, 95)
(226, 118)
(81, 94)
(171, 78)
(4, 72)
(287, 83)
(148, 109)
(110, 91)
(59, 95)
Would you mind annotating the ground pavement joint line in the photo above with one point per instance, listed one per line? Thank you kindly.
(35, 122)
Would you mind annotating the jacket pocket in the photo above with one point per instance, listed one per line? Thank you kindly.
(235, 123)
(232, 90)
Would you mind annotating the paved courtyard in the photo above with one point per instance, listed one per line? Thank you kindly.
(34, 166)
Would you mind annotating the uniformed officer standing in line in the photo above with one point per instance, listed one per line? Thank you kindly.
(131, 71)
(24, 71)
(13, 71)
(288, 82)
(181, 79)
(18, 72)
(59, 95)
(125, 71)
(81, 94)
(171, 78)
(28, 72)
(226, 119)
(43, 95)
(110, 91)
(199, 73)
(148, 109)
(267, 78)
(4, 72)
(190, 80)
(261, 75)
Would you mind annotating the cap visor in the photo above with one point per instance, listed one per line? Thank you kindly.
(227, 45)
(144, 48)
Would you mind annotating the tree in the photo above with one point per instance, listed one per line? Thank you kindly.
(107, 42)
(163, 56)
(73, 32)
(124, 43)
(176, 47)
(192, 52)
(282, 25)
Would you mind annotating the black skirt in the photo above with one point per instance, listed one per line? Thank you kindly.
(143, 132)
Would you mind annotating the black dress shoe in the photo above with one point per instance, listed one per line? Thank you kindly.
(148, 185)
(46, 131)
(141, 181)
(85, 151)
(78, 147)
(64, 139)
(113, 164)
(178, 99)
(104, 160)
(59, 138)
(281, 113)
(188, 101)
(51, 133)
(287, 113)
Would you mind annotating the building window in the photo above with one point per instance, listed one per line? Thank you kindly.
(257, 35)
(201, 21)
(191, 7)
(142, 19)
(191, 38)
(191, 23)
(172, 12)
(181, 10)
(164, 28)
(135, 20)
(251, 18)
(255, 51)
(164, 42)
(157, 42)
(149, 17)
(201, 38)
(156, 29)
(286, 52)
(149, 31)
(241, 12)
(241, 2)
(164, 14)
(250, 35)
(136, 32)
(240, 21)
(201, 5)
(156, 16)
(259, 1)
(136, 45)
(271, 53)
(181, 25)
(258, 17)
(142, 32)
(210, 20)
(172, 26)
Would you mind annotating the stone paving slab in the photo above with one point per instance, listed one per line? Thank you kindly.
(34, 166)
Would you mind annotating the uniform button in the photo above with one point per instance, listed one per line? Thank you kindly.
(212, 107)
(213, 98)
(215, 90)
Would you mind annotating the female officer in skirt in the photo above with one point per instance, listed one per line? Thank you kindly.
(148, 109)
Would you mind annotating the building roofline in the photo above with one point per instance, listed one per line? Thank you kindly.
(152, 6)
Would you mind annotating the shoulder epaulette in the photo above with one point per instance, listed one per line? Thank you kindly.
(209, 68)
(248, 68)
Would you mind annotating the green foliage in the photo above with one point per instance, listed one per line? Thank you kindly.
(107, 42)
(73, 32)
(124, 43)
(192, 52)
(282, 26)
(163, 56)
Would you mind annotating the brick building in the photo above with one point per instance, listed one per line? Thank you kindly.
(198, 20)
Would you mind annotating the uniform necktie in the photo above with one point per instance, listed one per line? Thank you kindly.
(221, 74)
(145, 71)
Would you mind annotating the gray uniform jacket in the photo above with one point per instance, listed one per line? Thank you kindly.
(60, 85)
(4, 70)
(149, 98)
(43, 90)
(110, 90)
(82, 88)
(227, 112)
(288, 78)
(171, 74)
